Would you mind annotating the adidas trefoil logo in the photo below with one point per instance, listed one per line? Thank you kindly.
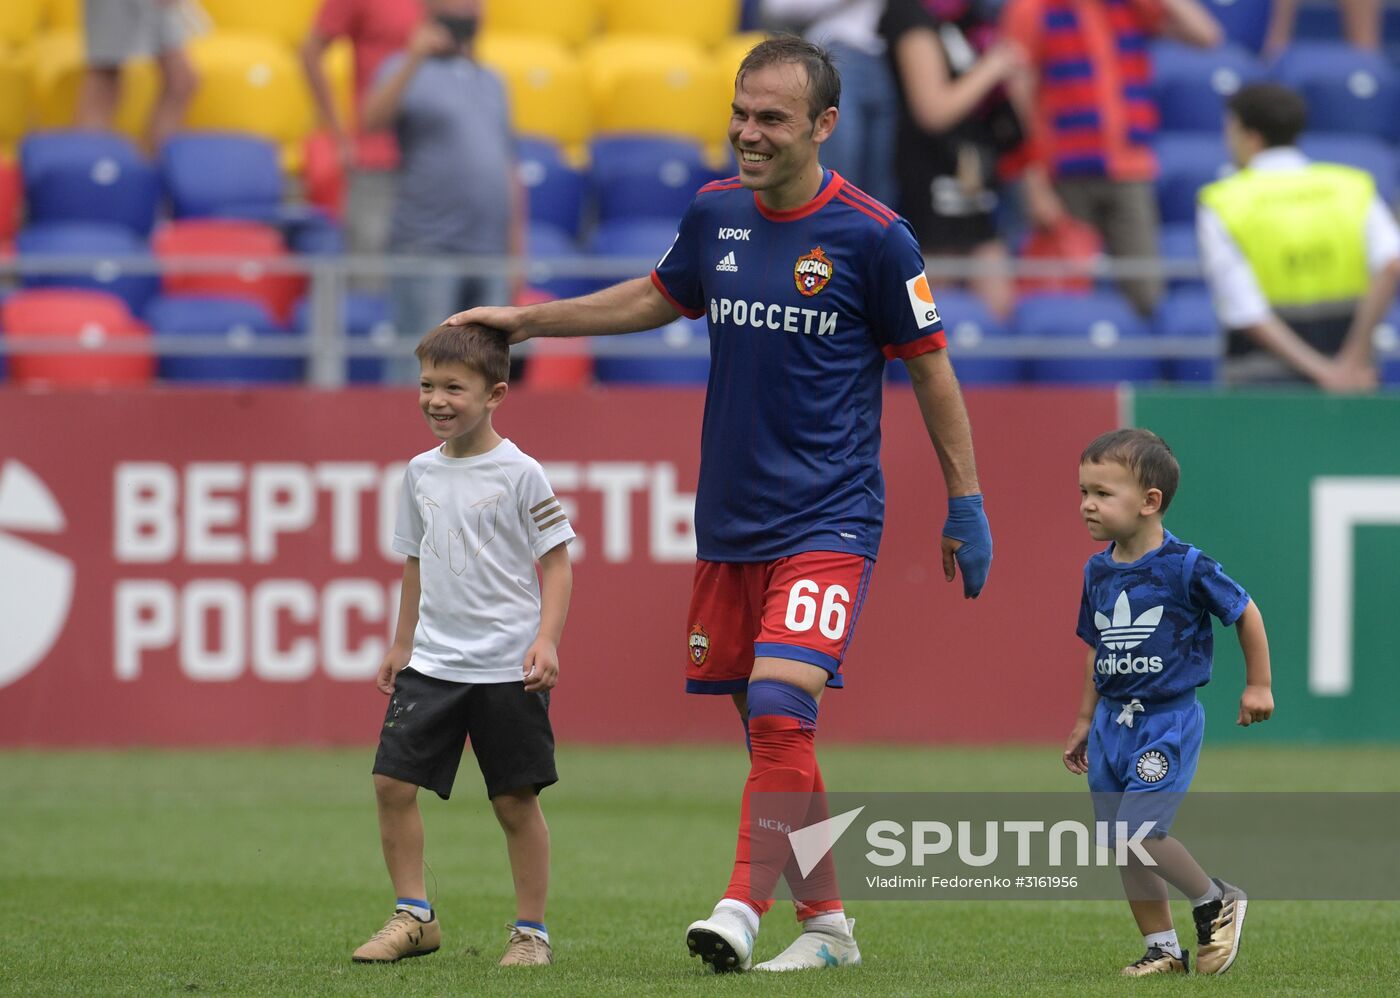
(1123, 632)
(728, 264)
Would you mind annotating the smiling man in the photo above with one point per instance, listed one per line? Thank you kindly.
(810, 286)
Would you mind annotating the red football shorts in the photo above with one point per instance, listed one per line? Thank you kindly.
(803, 607)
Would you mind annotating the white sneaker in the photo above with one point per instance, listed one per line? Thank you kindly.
(722, 940)
(818, 948)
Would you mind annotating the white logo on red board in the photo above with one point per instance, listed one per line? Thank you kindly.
(36, 585)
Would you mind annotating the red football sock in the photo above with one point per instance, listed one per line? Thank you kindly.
(823, 875)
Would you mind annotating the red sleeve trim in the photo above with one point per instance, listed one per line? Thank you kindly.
(884, 222)
(727, 184)
(689, 313)
(874, 205)
(928, 344)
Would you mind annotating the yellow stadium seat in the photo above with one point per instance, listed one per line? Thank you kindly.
(251, 84)
(288, 21)
(731, 52)
(706, 22)
(659, 86)
(547, 86)
(14, 98)
(572, 22)
(56, 61)
(19, 21)
(61, 15)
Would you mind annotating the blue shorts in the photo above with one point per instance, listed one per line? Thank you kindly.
(1142, 758)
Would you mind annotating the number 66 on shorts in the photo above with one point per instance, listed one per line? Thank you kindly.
(803, 607)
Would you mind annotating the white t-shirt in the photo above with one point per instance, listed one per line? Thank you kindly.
(477, 525)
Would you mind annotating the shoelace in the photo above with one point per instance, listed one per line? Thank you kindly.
(1205, 917)
(519, 938)
(1153, 954)
(393, 924)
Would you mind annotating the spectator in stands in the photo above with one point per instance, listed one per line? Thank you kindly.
(1302, 258)
(117, 31)
(862, 149)
(1092, 119)
(955, 123)
(456, 190)
(1361, 24)
(376, 29)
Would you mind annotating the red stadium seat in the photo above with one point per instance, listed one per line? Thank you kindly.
(95, 317)
(230, 238)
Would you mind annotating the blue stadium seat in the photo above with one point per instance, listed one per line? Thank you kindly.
(90, 239)
(643, 241)
(222, 174)
(1347, 90)
(1188, 313)
(1361, 151)
(1176, 244)
(1102, 319)
(366, 317)
(1245, 21)
(555, 190)
(309, 230)
(84, 176)
(642, 176)
(242, 320)
(1191, 84)
(968, 322)
(544, 244)
(655, 368)
(1187, 161)
(1387, 341)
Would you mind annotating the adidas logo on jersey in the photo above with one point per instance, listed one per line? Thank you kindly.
(1123, 633)
(728, 264)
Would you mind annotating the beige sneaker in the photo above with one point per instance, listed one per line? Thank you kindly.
(1219, 926)
(403, 935)
(526, 949)
(1158, 961)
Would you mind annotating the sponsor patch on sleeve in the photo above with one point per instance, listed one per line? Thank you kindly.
(921, 300)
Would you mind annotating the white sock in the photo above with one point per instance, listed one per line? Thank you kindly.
(1164, 941)
(417, 911)
(826, 922)
(1214, 894)
(742, 911)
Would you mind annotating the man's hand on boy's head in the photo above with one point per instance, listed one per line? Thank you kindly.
(1256, 704)
(541, 666)
(1076, 754)
(503, 317)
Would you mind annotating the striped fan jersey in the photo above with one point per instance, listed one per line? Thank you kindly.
(804, 308)
(477, 525)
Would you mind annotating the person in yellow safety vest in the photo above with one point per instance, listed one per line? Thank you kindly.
(1302, 258)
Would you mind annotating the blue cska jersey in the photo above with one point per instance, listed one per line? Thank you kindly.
(805, 307)
(1148, 621)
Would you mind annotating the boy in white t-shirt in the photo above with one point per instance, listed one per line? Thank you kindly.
(476, 649)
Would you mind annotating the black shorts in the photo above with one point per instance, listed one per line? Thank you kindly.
(430, 720)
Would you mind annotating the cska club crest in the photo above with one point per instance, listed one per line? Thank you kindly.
(699, 645)
(812, 272)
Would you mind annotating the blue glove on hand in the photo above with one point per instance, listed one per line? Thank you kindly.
(967, 522)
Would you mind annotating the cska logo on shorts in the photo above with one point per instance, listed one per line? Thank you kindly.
(812, 272)
(699, 645)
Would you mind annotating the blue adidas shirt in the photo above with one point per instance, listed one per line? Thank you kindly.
(804, 307)
(1148, 621)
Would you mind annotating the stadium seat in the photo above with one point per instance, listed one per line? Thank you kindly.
(61, 15)
(242, 321)
(1361, 151)
(1101, 319)
(1245, 21)
(19, 22)
(1187, 162)
(730, 53)
(555, 189)
(570, 22)
(1177, 246)
(16, 102)
(1387, 344)
(1191, 84)
(254, 241)
(671, 355)
(639, 176)
(549, 97)
(57, 65)
(11, 197)
(1347, 90)
(81, 176)
(545, 245)
(89, 239)
(251, 84)
(212, 174)
(1188, 314)
(285, 21)
(311, 232)
(707, 23)
(968, 323)
(366, 317)
(657, 86)
(95, 317)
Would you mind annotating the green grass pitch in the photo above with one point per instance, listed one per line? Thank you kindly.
(257, 872)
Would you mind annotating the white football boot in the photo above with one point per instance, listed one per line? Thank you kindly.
(723, 941)
(818, 948)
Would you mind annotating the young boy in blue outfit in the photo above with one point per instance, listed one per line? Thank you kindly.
(1145, 614)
